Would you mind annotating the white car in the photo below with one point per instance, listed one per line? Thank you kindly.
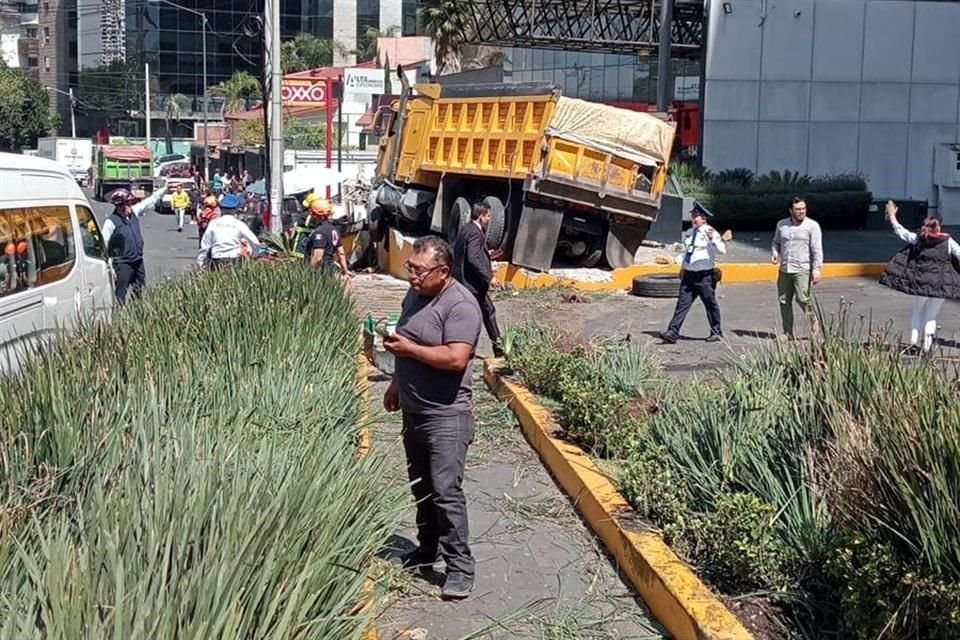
(168, 160)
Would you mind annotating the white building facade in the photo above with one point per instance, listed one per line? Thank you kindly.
(835, 86)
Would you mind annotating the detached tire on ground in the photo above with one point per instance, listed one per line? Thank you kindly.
(656, 286)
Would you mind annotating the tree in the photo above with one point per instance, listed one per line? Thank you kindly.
(305, 52)
(304, 135)
(237, 91)
(445, 21)
(24, 110)
(174, 106)
(367, 44)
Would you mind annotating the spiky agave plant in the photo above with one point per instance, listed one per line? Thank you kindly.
(195, 468)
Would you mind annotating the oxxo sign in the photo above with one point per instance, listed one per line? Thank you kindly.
(304, 92)
(359, 84)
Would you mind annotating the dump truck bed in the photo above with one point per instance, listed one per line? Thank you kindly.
(529, 133)
(494, 136)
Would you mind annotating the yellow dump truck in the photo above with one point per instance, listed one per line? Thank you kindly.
(568, 181)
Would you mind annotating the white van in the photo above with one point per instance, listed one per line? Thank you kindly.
(53, 266)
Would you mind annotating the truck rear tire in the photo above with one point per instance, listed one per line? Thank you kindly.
(459, 218)
(496, 231)
(623, 240)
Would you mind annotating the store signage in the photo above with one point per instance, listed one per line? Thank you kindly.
(362, 83)
(304, 93)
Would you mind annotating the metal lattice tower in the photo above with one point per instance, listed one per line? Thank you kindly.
(615, 26)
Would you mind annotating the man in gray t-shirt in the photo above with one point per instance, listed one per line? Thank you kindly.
(434, 346)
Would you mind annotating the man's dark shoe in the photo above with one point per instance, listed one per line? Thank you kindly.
(456, 587)
(668, 338)
(714, 337)
(416, 559)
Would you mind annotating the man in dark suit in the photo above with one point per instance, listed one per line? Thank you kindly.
(472, 268)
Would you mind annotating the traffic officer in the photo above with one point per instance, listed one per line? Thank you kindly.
(324, 243)
(698, 276)
(124, 239)
(228, 238)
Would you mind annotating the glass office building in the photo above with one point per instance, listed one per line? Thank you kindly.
(171, 39)
(605, 77)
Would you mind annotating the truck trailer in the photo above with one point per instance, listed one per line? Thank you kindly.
(123, 167)
(73, 154)
(567, 180)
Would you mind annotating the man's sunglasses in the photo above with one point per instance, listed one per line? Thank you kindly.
(419, 272)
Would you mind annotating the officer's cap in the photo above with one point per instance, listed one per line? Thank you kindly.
(699, 210)
(230, 201)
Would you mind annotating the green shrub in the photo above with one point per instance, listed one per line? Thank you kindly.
(762, 211)
(189, 470)
(741, 200)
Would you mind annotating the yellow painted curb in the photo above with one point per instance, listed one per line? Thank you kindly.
(675, 595)
(622, 279)
(363, 449)
(399, 248)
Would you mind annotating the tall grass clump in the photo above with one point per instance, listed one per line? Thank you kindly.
(189, 470)
(603, 388)
(824, 475)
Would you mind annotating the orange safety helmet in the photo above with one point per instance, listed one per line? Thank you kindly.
(321, 207)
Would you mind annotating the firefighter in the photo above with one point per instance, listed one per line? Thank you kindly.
(324, 246)
(209, 213)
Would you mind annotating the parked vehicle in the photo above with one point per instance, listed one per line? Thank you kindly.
(164, 204)
(53, 266)
(565, 178)
(123, 167)
(73, 154)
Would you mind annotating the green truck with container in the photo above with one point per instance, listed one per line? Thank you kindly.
(120, 167)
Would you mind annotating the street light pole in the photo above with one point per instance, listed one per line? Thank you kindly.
(73, 116)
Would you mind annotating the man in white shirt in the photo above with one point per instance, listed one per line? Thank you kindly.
(798, 248)
(701, 244)
(227, 239)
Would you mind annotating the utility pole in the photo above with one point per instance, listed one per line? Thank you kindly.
(275, 134)
(73, 115)
(206, 110)
(663, 56)
(146, 80)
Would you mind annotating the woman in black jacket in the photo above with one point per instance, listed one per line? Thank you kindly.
(927, 268)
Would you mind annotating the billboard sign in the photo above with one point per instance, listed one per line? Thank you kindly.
(360, 84)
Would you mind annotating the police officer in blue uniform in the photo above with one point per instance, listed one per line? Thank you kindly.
(124, 239)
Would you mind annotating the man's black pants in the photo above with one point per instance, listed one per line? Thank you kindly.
(693, 285)
(130, 275)
(436, 450)
(489, 313)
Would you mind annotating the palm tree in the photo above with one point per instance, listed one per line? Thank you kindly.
(367, 46)
(237, 91)
(446, 22)
(174, 106)
(305, 52)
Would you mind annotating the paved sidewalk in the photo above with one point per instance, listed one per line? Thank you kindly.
(540, 572)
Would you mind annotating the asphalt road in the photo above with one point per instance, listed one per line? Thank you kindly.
(166, 252)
